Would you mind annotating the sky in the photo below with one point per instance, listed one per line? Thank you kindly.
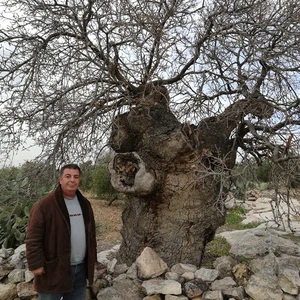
(17, 158)
(25, 155)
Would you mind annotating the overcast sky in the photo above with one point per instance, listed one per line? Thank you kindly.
(18, 158)
(25, 155)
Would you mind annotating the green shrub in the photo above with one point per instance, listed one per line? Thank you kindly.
(216, 248)
(101, 185)
(13, 221)
(20, 189)
(263, 172)
(87, 170)
(14, 211)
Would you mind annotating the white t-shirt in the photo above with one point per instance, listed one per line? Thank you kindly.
(78, 239)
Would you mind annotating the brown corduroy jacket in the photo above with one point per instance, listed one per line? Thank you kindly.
(48, 242)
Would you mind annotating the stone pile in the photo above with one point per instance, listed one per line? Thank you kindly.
(274, 276)
(264, 264)
(280, 212)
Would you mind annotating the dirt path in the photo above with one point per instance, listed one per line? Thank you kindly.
(108, 222)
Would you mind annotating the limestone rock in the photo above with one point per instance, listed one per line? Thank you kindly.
(150, 265)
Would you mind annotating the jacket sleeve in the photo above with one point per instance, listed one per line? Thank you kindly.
(35, 239)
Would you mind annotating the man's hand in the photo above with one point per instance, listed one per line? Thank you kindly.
(38, 271)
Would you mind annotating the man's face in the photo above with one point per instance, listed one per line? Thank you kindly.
(69, 182)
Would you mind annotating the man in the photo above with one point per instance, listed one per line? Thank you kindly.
(61, 240)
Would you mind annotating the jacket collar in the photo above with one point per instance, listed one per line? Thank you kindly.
(59, 197)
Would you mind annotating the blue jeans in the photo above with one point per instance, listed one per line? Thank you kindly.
(79, 287)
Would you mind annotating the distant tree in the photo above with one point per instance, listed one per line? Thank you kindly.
(263, 172)
(101, 185)
(87, 169)
(74, 73)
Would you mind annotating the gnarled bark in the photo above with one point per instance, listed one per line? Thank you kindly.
(179, 205)
(129, 175)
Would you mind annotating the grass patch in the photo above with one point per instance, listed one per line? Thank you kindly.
(216, 248)
(234, 220)
(219, 246)
(243, 259)
(239, 210)
(248, 225)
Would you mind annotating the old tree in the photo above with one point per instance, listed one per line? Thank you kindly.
(177, 88)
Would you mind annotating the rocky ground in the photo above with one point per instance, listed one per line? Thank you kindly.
(263, 264)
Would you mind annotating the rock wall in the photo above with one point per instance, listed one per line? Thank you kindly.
(263, 264)
(273, 276)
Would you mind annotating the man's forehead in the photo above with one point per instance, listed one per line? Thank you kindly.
(71, 171)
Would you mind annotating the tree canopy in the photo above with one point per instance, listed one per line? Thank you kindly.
(68, 67)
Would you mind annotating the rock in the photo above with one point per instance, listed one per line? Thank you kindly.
(262, 287)
(172, 297)
(132, 272)
(153, 297)
(172, 276)
(28, 276)
(25, 290)
(195, 288)
(255, 242)
(288, 279)
(187, 276)
(8, 291)
(122, 289)
(150, 265)
(234, 292)
(213, 295)
(230, 201)
(4, 253)
(272, 272)
(208, 275)
(159, 286)
(241, 274)
(182, 268)
(104, 257)
(16, 275)
(223, 284)
(224, 265)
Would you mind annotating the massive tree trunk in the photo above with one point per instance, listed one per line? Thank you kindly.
(173, 175)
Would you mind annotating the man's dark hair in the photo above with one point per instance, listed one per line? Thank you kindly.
(70, 166)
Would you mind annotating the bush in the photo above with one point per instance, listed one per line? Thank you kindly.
(263, 172)
(13, 221)
(101, 185)
(20, 189)
(87, 170)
